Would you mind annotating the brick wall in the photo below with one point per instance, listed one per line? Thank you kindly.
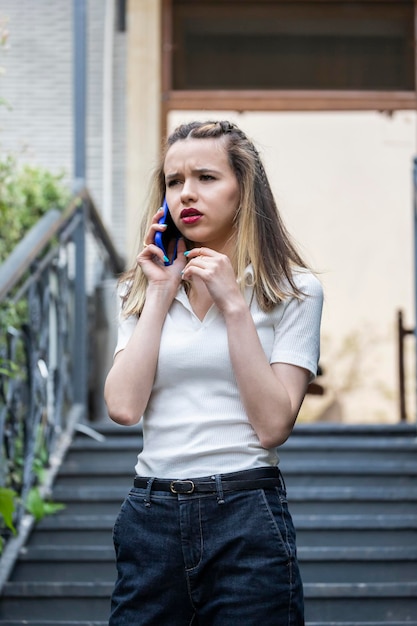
(38, 85)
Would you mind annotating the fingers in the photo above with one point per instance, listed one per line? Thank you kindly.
(151, 252)
(200, 252)
(155, 227)
(205, 263)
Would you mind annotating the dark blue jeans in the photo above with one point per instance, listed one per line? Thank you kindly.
(206, 560)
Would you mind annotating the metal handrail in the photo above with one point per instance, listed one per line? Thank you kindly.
(26, 251)
(49, 226)
(50, 302)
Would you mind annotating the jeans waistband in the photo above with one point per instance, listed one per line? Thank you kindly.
(259, 478)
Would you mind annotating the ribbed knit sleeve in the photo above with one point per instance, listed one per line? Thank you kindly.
(297, 333)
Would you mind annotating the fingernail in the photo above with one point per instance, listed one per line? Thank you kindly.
(186, 253)
(166, 259)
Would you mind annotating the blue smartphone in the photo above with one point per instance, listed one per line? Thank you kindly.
(162, 240)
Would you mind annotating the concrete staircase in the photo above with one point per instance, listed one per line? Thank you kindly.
(352, 493)
(353, 496)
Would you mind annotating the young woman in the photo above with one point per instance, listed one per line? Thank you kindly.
(215, 352)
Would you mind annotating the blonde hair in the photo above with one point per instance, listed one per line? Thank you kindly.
(261, 237)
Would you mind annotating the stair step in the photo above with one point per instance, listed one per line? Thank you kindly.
(90, 600)
(66, 564)
(359, 431)
(353, 494)
(59, 553)
(339, 553)
(356, 530)
(105, 623)
(103, 507)
(350, 500)
(70, 564)
(66, 571)
(363, 530)
(74, 522)
(111, 442)
(357, 562)
(29, 622)
(390, 623)
(76, 537)
(97, 493)
(349, 565)
(330, 507)
(349, 443)
(373, 522)
(381, 602)
(362, 590)
(361, 522)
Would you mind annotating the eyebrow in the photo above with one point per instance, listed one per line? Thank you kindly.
(196, 170)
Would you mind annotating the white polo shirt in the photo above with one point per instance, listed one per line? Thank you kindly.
(195, 422)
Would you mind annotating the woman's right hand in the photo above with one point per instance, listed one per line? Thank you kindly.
(152, 260)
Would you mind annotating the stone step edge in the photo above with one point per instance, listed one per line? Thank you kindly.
(26, 622)
(305, 522)
(95, 623)
(311, 590)
(52, 552)
(390, 623)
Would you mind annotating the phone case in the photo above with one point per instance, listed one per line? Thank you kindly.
(162, 240)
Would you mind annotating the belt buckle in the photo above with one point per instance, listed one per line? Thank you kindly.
(180, 486)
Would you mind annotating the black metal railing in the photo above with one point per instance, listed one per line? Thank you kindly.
(47, 298)
(402, 333)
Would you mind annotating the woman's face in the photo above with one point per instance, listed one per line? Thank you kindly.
(202, 192)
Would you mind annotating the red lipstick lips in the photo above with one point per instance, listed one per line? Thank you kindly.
(188, 212)
(190, 216)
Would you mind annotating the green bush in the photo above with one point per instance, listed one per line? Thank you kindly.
(26, 193)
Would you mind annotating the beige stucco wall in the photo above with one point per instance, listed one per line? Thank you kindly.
(142, 107)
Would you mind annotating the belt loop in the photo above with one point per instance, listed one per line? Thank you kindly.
(147, 498)
(219, 488)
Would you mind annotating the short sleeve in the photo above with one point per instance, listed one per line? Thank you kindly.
(297, 334)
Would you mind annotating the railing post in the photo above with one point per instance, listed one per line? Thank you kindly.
(80, 86)
(415, 268)
(402, 332)
(79, 364)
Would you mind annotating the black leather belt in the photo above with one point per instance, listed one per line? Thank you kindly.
(262, 478)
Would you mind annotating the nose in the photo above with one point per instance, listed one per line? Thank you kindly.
(188, 192)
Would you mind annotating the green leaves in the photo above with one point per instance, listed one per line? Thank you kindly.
(7, 498)
(26, 193)
(37, 506)
(7, 506)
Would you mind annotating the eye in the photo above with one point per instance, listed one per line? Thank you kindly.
(206, 177)
(173, 182)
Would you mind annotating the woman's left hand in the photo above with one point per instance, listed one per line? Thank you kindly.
(216, 271)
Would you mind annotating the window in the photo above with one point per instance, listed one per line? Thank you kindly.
(274, 45)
